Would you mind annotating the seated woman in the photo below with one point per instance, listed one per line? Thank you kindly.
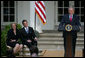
(12, 39)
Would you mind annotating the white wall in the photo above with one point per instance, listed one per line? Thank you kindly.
(50, 16)
(23, 11)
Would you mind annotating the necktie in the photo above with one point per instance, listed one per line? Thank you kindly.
(26, 29)
(71, 18)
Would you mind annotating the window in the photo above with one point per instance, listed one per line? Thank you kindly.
(79, 9)
(62, 9)
(8, 13)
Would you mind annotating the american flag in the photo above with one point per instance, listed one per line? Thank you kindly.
(40, 11)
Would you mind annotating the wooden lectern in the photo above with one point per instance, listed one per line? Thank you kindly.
(69, 45)
(68, 51)
(68, 28)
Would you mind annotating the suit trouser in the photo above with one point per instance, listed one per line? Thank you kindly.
(73, 46)
(30, 45)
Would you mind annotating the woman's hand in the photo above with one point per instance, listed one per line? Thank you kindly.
(13, 40)
(35, 39)
(29, 41)
(80, 27)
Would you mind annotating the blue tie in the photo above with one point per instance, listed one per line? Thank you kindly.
(27, 30)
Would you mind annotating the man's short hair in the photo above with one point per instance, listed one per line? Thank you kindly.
(71, 8)
(24, 21)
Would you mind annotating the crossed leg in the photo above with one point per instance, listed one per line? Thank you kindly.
(17, 48)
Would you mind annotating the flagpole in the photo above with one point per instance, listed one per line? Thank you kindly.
(35, 20)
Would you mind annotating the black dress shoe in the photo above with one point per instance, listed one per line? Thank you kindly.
(34, 55)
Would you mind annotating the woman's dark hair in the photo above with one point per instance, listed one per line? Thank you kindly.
(24, 21)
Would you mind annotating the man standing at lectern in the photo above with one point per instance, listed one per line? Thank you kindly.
(72, 19)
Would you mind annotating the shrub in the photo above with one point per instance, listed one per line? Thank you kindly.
(37, 34)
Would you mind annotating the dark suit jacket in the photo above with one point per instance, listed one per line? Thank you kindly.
(75, 21)
(11, 35)
(25, 36)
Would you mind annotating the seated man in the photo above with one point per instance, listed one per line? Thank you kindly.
(29, 38)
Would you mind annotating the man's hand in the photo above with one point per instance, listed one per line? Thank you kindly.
(80, 28)
(29, 41)
(13, 40)
(36, 38)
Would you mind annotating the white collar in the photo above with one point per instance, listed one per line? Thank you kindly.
(26, 27)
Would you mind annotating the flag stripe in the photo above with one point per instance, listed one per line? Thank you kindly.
(41, 10)
(40, 14)
(43, 3)
(41, 7)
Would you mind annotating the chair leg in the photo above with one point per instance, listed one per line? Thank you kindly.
(23, 50)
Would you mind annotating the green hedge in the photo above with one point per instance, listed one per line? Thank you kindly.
(4, 36)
